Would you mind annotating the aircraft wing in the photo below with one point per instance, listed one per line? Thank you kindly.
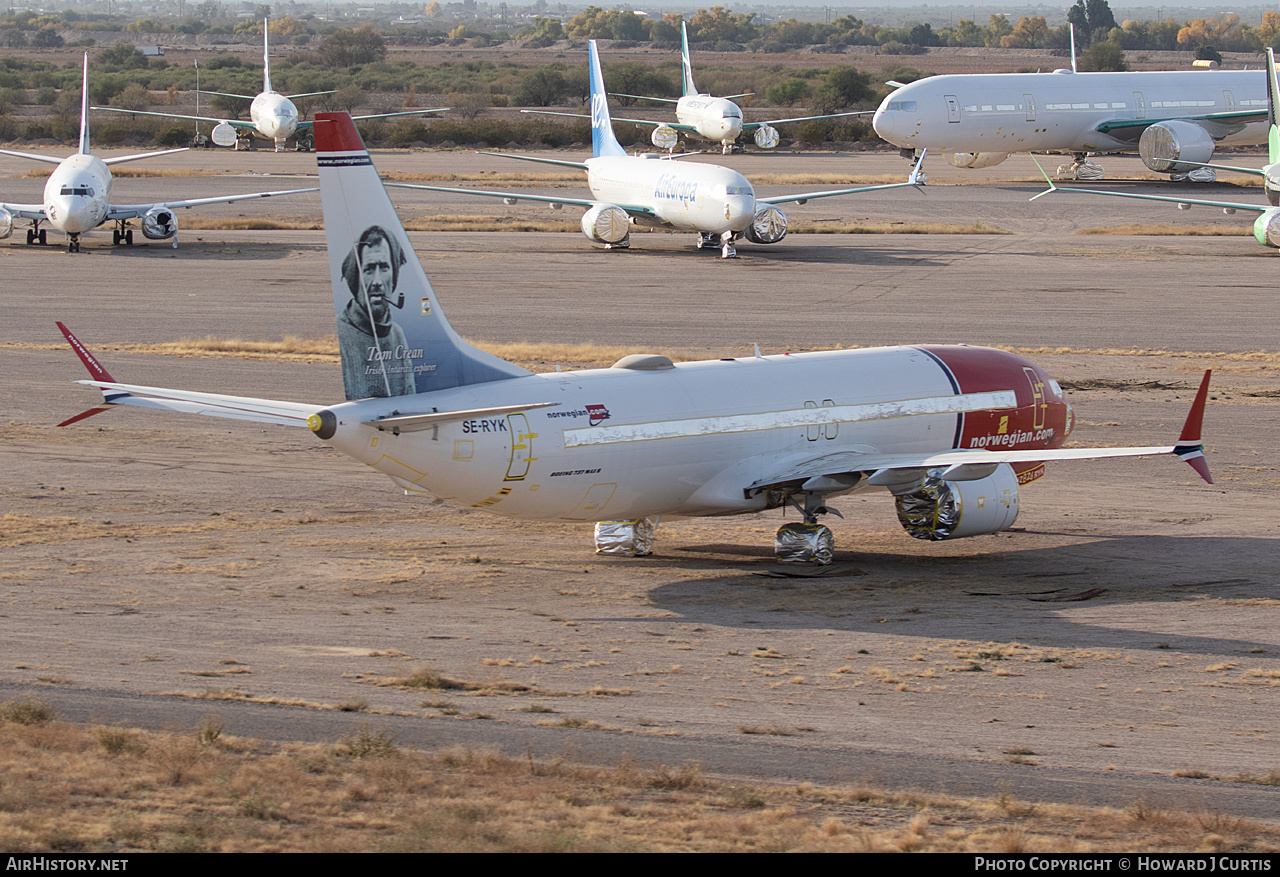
(1169, 199)
(888, 469)
(912, 180)
(512, 197)
(751, 126)
(650, 122)
(24, 211)
(1131, 129)
(211, 119)
(47, 159)
(303, 126)
(137, 211)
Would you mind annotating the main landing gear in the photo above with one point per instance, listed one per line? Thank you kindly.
(36, 235)
(723, 241)
(1081, 168)
(304, 143)
(122, 235)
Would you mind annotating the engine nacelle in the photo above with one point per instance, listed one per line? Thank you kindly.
(941, 509)
(6, 224)
(606, 224)
(768, 227)
(975, 160)
(1266, 228)
(1165, 146)
(767, 137)
(159, 224)
(665, 137)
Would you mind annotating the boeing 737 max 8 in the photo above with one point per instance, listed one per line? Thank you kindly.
(952, 432)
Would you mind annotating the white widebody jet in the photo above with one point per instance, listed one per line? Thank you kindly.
(713, 118)
(1266, 227)
(77, 196)
(717, 203)
(272, 116)
(1166, 117)
(952, 432)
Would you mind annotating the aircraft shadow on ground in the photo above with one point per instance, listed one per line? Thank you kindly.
(971, 593)
(193, 250)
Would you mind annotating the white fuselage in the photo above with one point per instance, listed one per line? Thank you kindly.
(691, 197)
(77, 194)
(622, 443)
(1062, 111)
(714, 118)
(274, 116)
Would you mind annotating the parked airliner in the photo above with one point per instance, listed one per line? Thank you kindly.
(979, 119)
(77, 196)
(718, 203)
(1266, 228)
(717, 119)
(952, 432)
(272, 116)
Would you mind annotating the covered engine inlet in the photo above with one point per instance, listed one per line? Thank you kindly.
(606, 224)
(159, 224)
(6, 224)
(768, 227)
(940, 509)
(1165, 145)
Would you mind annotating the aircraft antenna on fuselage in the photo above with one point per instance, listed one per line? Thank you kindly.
(84, 108)
(392, 335)
(266, 59)
(686, 65)
(603, 142)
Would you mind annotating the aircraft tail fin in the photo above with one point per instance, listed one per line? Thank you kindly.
(686, 66)
(603, 142)
(393, 335)
(1273, 109)
(266, 58)
(84, 109)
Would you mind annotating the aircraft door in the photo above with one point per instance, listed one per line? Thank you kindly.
(1031, 107)
(953, 107)
(521, 447)
(1037, 397)
(1139, 105)
(1229, 99)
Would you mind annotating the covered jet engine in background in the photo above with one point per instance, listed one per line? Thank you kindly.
(767, 137)
(1164, 147)
(768, 227)
(607, 224)
(6, 224)
(943, 508)
(159, 224)
(975, 160)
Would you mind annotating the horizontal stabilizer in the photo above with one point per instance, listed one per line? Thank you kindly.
(418, 422)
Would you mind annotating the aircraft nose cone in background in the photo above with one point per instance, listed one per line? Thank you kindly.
(739, 210)
(730, 118)
(883, 122)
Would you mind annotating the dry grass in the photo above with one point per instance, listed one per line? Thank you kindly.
(1172, 230)
(896, 228)
(69, 789)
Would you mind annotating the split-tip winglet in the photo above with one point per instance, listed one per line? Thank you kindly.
(1047, 179)
(96, 371)
(1190, 448)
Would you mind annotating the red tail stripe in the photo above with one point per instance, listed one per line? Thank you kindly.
(335, 132)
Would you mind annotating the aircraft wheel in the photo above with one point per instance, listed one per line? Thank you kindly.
(128, 238)
(804, 543)
(115, 237)
(728, 252)
(44, 240)
(31, 236)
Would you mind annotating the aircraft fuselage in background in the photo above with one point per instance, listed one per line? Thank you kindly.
(715, 118)
(274, 116)
(709, 199)
(1001, 113)
(77, 194)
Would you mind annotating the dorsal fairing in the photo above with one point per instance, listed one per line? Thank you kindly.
(392, 334)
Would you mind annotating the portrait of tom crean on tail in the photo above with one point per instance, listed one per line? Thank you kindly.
(376, 358)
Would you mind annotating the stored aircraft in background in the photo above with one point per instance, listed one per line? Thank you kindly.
(717, 203)
(952, 432)
(77, 196)
(272, 116)
(1266, 228)
(1173, 119)
(717, 119)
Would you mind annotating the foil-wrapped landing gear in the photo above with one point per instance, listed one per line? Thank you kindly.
(625, 538)
(804, 543)
(1081, 169)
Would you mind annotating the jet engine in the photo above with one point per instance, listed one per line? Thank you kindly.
(665, 137)
(766, 137)
(939, 509)
(975, 160)
(159, 224)
(768, 227)
(1165, 145)
(6, 224)
(1266, 228)
(606, 224)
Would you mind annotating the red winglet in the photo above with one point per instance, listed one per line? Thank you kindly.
(96, 371)
(335, 132)
(1189, 447)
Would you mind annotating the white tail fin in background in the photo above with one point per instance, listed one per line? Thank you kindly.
(266, 58)
(392, 334)
(603, 142)
(686, 65)
(84, 108)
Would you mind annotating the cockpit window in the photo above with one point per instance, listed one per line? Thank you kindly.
(907, 106)
(76, 190)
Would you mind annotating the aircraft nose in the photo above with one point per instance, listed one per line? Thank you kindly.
(882, 122)
(739, 210)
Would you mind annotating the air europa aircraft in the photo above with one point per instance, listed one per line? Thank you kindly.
(716, 202)
(717, 119)
(1167, 116)
(952, 432)
(77, 196)
(272, 116)
(1266, 228)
